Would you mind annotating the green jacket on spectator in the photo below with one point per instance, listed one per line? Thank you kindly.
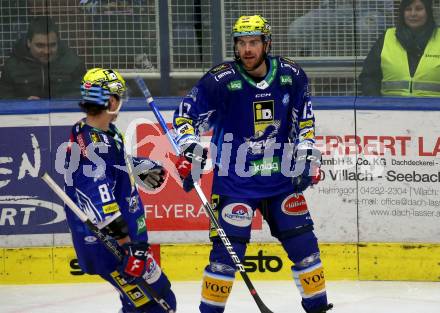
(23, 76)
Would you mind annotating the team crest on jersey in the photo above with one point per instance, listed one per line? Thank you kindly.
(286, 99)
(193, 93)
(133, 203)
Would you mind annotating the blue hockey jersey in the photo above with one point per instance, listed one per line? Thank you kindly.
(103, 188)
(251, 124)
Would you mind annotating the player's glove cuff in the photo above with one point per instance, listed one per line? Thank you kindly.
(191, 163)
(307, 168)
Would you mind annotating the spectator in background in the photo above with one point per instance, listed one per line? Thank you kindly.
(405, 61)
(41, 66)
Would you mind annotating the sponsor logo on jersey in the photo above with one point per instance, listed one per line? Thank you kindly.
(82, 145)
(235, 85)
(223, 74)
(262, 85)
(290, 64)
(216, 289)
(238, 214)
(134, 293)
(90, 239)
(182, 120)
(137, 296)
(309, 134)
(263, 95)
(263, 111)
(263, 115)
(288, 61)
(286, 80)
(110, 208)
(185, 129)
(94, 136)
(305, 124)
(215, 199)
(220, 68)
(266, 166)
(153, 271)
(141, 226)
(312, 280)
(118, 279)
(105, 138)
(295, 204)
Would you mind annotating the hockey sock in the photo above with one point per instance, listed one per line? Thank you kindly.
(311, 284)
(308, 272)
(218, 277)
(216, 289)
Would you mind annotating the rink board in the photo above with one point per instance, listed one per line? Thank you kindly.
(376, 211)
(185, 262)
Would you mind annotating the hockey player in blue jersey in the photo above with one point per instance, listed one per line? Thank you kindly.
(260, 112)
(103, 185)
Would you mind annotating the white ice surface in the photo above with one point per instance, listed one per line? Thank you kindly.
(279, 296)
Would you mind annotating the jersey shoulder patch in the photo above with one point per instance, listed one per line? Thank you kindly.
(222, 71)
(286, 63)
(220, 68)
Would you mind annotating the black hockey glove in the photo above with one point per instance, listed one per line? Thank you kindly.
(134, 263)
(307, 168)
(190, 164)
(152, 174)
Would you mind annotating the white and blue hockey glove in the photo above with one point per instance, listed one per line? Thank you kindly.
(190, 164)
(151, 173)
(307, 168)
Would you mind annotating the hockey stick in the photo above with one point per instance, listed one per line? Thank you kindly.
(208, 209)
(110, 245)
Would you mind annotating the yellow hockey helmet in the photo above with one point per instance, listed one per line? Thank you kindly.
(253, 25)
(98, 84)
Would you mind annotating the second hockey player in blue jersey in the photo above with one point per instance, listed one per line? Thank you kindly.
(102, 183)
(261, 115)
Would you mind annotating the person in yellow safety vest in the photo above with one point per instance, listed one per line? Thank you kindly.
(405, 61)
